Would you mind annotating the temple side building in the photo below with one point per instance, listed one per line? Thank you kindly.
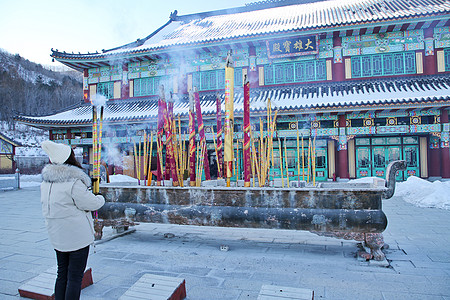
(369, 80)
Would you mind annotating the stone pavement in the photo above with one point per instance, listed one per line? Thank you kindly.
(419, 257)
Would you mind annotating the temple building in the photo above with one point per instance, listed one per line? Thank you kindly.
(368, 80)
(8, 146)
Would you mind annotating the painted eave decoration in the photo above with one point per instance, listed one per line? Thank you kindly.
(398, 93)
(239, 23)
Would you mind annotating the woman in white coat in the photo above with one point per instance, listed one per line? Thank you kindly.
(66, 205)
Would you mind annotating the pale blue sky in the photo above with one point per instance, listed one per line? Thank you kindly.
(32, 27)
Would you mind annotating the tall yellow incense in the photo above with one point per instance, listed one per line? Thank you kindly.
(237, 160)
(95, 186)
(309, 158)
(298, 155)
(252, 161)
(303, 161)
(197, 154)
(234, 165)
(215, 148)
(175, 149)
(281, 163)
(149, 173)
(201, 161)
(139, 161)
(159, 147)
(286, 161)
(181, 153)
(273, 122)
(314, 162)
(145, 156)
(258, 171)
(135, 160)
(261, 154)
(99, 146)
(229, 118)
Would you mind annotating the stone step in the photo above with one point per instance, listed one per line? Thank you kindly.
(274, 292)
(156, 287)
(42, 286)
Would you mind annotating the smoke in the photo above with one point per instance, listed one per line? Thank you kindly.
(113, 155)
(99, 100)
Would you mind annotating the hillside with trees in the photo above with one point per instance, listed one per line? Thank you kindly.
(27, 88)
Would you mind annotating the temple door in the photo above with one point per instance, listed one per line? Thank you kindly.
(411, 155)
(363, 163)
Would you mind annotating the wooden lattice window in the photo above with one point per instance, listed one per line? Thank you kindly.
(106, 89)
(147, 86)
(238, 77)
(383, 64)
(212, 80)
(447, 59)
(268, 74)
(309, 70)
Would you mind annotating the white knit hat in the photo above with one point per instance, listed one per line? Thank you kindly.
(58, 153)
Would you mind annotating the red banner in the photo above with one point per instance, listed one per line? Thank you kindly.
(219, 138)
(246, 133)
(201, 133)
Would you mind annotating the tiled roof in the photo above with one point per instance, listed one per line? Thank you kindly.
(9, 140)
(363, 94)
(209, 27)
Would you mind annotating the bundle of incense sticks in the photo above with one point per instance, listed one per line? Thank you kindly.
(179, 151)
(286, 161)
(97, 129)
(313, 162)
(217, 153)
(149, 172)
(229, 118)
(136, 166)
(191, 147)
(303, 161)
(246, 142)
(298, 155)
(159, 149)
(201, 149)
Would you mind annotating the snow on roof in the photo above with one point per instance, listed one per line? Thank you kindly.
(288, 18)
(375, 93)
(208, 27)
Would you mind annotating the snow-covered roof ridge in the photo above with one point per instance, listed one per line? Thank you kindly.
(234, 24)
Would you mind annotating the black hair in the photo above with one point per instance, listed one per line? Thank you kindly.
(72, 160)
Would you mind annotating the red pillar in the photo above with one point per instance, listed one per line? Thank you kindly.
(338, 65)
(445, 153)
(342, 150)
(429, 61)
(434, 162)
(68, 135)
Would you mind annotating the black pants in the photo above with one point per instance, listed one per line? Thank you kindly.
(71, 266)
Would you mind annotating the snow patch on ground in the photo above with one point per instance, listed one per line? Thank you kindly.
(121, 178)
(423, 193)
(364, 180)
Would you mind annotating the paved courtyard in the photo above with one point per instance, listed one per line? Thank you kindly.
(419, 257)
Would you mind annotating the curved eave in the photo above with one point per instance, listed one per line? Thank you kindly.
(10, 141)
(301, 109)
